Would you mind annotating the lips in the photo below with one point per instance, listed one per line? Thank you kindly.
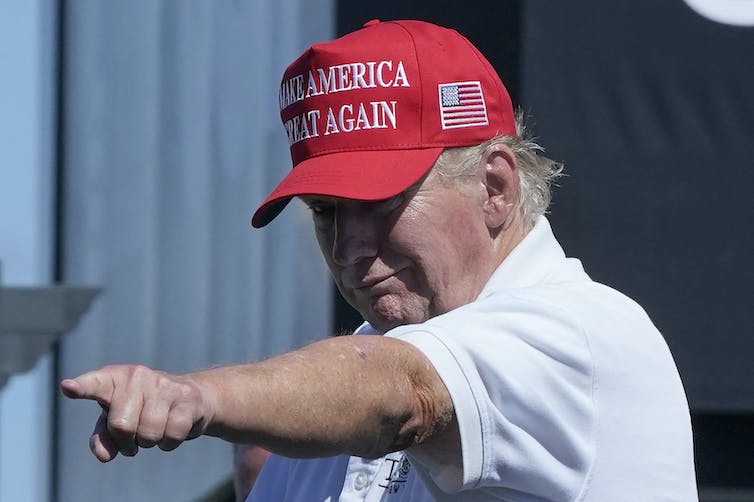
(367, 282)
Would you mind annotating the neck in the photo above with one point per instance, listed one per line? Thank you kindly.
(508, 237)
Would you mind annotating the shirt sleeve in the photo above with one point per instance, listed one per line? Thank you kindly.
(519, 372)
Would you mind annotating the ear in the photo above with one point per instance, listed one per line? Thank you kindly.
(501, 182)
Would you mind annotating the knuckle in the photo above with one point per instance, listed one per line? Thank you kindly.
(165, 381)
(187, 392)
(149, 436)
(146, 442)
(120, 427)
(178, 389)
(180, 427)
(139, 371)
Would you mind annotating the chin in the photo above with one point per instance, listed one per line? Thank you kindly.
(383, 322)
(390, 311)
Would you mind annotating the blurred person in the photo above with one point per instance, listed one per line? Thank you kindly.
(248, 460)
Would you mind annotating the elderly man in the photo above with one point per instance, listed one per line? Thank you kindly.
(490, 366)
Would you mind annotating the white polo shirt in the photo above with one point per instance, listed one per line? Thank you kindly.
(563, 390)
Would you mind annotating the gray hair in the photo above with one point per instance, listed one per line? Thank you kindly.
(536, 173)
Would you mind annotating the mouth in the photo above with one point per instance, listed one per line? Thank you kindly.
(370, 282)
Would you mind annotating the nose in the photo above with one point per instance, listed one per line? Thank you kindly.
(355, 233)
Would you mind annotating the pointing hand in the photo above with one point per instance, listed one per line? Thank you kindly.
(141, 407)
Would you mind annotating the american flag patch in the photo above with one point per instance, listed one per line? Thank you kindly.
(462, 105)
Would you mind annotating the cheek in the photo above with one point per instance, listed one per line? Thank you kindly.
(324, 245)
(325, 242)
(443, 250)
(438, 239)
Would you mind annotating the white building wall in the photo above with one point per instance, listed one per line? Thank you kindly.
(27, 37)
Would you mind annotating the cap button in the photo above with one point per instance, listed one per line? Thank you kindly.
(371, 23)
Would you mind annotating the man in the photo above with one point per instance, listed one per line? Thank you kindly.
(490, 367)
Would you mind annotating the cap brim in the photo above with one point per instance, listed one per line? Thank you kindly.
(361, 175)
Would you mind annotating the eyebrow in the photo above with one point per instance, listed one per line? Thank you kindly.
(309, 199)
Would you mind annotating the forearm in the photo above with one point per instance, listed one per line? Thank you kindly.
(363, 395)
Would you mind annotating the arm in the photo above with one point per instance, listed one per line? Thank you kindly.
(362, 395)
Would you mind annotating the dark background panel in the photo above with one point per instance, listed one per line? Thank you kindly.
(723, 445)
(649, 106)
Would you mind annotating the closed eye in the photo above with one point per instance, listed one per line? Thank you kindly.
(318, 205)
(320, 209)
(323, 212)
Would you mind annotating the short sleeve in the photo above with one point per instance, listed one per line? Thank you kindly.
(519, 372)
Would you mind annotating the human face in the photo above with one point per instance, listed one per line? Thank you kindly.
(403, 260)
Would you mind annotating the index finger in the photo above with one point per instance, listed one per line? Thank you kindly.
(94, 385)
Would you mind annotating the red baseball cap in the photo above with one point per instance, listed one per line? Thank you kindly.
(368, 114)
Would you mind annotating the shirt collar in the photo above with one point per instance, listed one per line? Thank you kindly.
(533, 259)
